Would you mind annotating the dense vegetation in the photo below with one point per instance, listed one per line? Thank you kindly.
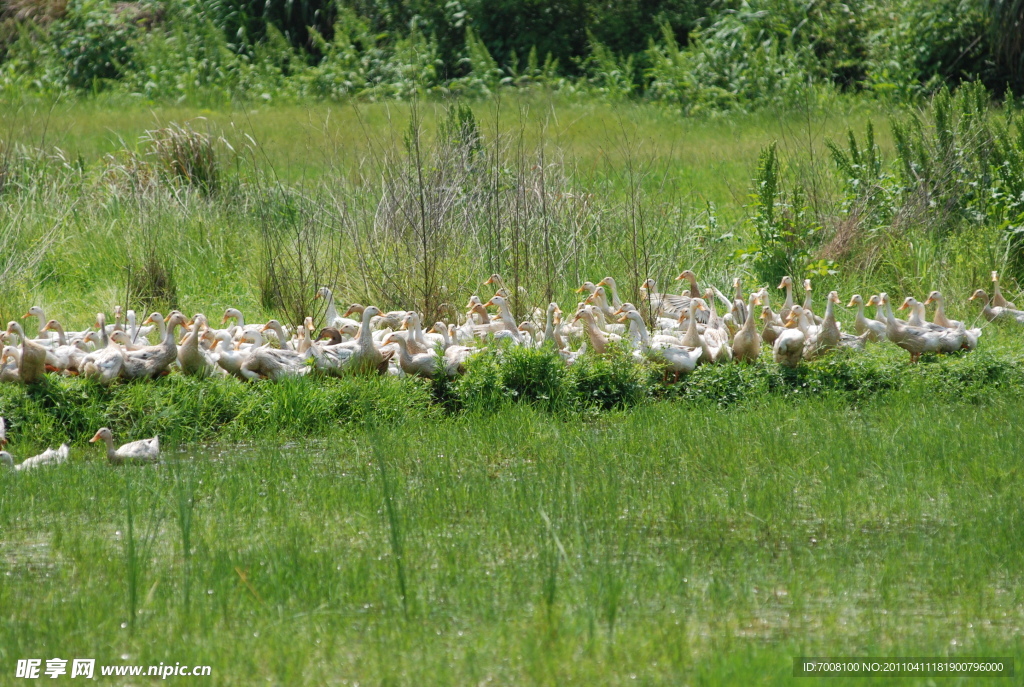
(696, 55)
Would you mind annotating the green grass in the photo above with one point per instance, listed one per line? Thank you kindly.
(672, 543)
(680, 168)
(527, 524)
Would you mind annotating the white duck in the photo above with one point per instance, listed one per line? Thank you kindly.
(105, 364)
(863, 324)
(789, 344)
(992, 313)
(142, 451)
(32, 364)
(51, 456)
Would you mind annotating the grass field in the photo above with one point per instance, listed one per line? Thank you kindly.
(668, 545)
(395, 532)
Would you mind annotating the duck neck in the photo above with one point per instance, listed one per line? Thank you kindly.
(615, 295)
(830, 313)
(109, 443)
(940, 310)
(637, 323)
(61, 339)
(101, 321)
(549, 328)
(789, 297)
(332, 313)
(694, 289)
(365, 335)
(748, 323)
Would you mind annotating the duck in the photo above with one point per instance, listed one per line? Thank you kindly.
(739, 310)
(422, 364)
(598, 339)
(236, 330)
(788, 348)
(224, 353)
(193, 359)
(915, 317)
(9, 358)
(613, 289)
(827, 336)
(864, 325)
(919, 340)
(666, 304)
(51, 456)
(1001, 313)
(105, 364)
(331, 316)
(746, 344)
(149, 362)
(940, 312)
(998, 300)
(679, 360)
(691, 337)
(277, 332)
(136, 332)
(391, 319)
(124, 340)
(787, 306)
(770, 329)
(64, 357)
(367, 357)
(694, 290)
(422, 340)
(32, 364)
(142, 451)
(507, 320)
(716, 335)
(808, 302)
(42, 337)
(274, 364)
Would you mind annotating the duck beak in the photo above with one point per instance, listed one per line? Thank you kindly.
(680, 277)
(602, 283)
(851, 303)
(973, 296)
(782, 284)
(317, 296)
(26, 316)
(622, 320)
(579, 290)
(929, 300)
(95, 438)
(489, 303)
(903, 306)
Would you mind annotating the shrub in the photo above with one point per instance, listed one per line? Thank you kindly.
(185, 156)
(614, 380)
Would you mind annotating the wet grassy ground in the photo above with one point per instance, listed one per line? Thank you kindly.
(668, 544)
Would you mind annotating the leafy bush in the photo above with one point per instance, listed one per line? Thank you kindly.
(94, 43)
(785, 231)
(613, 380)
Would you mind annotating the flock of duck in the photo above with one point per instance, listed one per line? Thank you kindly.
(687, 331)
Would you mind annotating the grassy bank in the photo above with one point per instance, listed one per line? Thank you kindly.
(182, 409)
(669, 543)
